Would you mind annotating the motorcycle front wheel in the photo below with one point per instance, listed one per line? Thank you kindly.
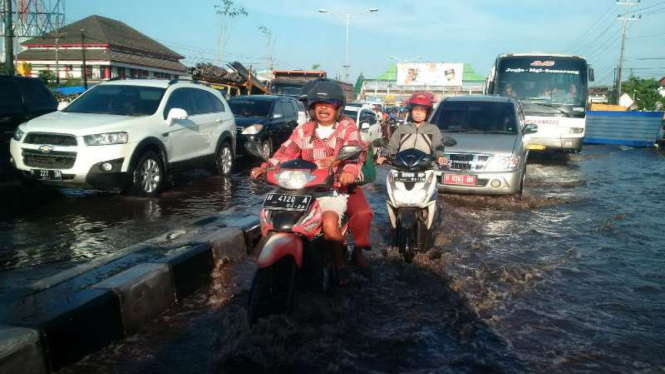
(406, 242)
(273, 290)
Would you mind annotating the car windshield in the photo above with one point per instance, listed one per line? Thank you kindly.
(119, 100)
(477, 117)
(351, 114)
(285, 89)
(250, 108)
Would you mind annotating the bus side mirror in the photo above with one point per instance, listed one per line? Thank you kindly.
(591, 75)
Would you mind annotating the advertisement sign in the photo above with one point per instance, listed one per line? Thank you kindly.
(430, 74)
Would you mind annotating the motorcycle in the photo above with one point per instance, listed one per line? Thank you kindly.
(412, 194)
(291, 227)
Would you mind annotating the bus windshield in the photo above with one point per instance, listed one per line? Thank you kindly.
(547, 80)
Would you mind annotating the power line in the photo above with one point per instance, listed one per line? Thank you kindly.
(572, 45)
(646, 36)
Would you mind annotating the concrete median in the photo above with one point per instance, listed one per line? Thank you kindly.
(75, 313)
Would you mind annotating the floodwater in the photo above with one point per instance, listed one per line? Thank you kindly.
(567, 280)
(45, 230)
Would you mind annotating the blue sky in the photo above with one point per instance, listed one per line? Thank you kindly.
(472, 31)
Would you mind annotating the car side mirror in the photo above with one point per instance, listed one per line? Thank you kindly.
(449, 141)
(364, 126)
(349, 152)
(530, 128)
(176, 114)
(277, 116)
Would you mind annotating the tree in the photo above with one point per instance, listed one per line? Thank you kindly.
(47, 76)
(227, 12)
(316, 67)
(643, 91)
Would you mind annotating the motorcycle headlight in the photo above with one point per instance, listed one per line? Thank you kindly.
(18, 134)
(503, 163)
(108, 138)
(293, 179)
(253, 129)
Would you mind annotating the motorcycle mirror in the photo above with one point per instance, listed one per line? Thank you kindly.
(449, 142)
(349, 152)
(254, 148)
(380, 142)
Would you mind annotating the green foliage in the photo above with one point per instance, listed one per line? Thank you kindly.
(316, 67)
(73, 82)
(3, 68)
(227, 9)
(48, 77)
(643, 91)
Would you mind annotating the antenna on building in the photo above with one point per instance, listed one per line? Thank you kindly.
(27, 19)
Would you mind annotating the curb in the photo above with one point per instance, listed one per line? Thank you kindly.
(79, 311)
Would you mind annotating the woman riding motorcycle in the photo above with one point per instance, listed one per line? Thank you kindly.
(319, 141)
(416, 132)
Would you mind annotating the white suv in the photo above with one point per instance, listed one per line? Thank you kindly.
(129, 135)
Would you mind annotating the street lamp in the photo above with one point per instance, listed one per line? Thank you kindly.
(348, 17)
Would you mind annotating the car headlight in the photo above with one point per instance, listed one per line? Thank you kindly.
(576, 130)
(18, 134)
(253, 129)
(294, 179)
(503, 163)
(106, 138)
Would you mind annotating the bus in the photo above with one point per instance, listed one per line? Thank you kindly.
(553, 91)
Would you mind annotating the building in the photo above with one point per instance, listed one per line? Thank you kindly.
(112, 50)
(442, 79)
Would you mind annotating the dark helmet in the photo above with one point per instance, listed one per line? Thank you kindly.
(305, 91)
(324, 90)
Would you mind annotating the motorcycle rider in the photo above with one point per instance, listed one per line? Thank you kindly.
(416, 132)
(319, 141)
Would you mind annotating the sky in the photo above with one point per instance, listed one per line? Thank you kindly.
(471, 31)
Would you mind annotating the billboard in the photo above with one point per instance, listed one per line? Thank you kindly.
(430, 74)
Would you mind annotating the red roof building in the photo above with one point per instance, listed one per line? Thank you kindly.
(112, 50)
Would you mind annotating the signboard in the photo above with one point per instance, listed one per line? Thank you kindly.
(430, 74)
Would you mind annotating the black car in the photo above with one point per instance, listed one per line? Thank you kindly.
(21, 99)
(269, 120)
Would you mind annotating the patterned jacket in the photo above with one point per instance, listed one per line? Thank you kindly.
(305, 144)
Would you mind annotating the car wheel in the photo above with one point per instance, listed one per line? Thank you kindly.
(521, 188)
(148, 175)
(266, 148)
(224, 159)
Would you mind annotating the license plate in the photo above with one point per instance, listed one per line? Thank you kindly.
(409, 177)
(47, 175)
(460, 180)
(536, 147)
(275, 201)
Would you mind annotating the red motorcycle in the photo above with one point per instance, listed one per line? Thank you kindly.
(291, 226)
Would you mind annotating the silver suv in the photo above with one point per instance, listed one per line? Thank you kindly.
(490, 155)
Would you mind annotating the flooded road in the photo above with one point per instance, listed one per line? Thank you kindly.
(568, 280)
(45, 230)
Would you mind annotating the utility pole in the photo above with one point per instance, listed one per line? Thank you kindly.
(84, 68)
(625, 18)
(9, 38)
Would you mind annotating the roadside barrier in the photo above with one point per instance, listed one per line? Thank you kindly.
(77, 312)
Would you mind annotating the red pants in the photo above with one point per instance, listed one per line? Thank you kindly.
(360, 217)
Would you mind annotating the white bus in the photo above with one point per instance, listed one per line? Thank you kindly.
(553, 92)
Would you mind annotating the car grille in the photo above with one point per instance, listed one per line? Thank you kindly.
(467, 161)
(52, 160)
(50, 139)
